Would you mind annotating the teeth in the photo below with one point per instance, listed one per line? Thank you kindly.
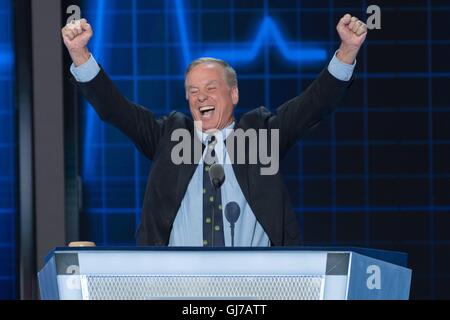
(207, 108)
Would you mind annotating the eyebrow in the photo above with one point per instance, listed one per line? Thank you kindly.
(211, 82)
(208, 84)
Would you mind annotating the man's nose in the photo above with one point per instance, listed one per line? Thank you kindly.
(202, 97)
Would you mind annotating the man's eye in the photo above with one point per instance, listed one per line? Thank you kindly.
(193, 92)
(211, 88)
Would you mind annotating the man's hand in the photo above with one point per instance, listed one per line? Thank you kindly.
(353, 32)
(76, 36)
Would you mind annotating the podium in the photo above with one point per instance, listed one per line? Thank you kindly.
(155, 273)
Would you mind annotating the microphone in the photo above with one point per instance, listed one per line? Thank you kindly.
(216, 175)
(232, 213)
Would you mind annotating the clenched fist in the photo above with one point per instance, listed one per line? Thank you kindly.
(352, 32)
(76, 36)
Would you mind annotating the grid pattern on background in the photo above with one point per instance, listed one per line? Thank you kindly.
(7, 156)
(376, 174)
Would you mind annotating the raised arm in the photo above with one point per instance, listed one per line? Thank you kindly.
(300, 114)
(138, 123)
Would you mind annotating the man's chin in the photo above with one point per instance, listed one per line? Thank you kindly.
(206, 126)
(210, 129)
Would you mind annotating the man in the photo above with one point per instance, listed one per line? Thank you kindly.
(181, 206)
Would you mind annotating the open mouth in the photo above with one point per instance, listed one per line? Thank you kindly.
(207, 111)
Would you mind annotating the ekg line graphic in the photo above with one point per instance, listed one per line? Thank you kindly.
(268, 30)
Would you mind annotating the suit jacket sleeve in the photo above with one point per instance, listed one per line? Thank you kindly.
(295, 117)
(137, 122)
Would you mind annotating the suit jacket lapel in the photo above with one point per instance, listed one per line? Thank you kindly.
(240, 170)
(186, 171)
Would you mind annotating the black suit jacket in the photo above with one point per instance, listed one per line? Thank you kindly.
(167, 182)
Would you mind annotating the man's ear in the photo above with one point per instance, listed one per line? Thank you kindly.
(235, 95)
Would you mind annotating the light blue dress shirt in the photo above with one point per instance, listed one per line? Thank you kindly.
(188, 225)
(187, 228)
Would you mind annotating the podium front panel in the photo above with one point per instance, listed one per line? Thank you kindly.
(270, 274)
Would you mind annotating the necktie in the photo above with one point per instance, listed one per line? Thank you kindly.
(212, 202)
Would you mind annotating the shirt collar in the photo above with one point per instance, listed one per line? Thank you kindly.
(221, 135)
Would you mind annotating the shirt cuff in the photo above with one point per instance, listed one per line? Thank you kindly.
(87, 71)
(340, 70)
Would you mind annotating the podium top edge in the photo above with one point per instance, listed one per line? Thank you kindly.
(394, 257)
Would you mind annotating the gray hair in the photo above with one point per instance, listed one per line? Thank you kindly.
(230, 73)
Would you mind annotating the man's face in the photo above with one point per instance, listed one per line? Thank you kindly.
(210, 98)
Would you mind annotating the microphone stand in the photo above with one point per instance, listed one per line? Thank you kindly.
(232, 234)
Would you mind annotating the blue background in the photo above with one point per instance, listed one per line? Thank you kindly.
(376, 174)
(7, 156)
